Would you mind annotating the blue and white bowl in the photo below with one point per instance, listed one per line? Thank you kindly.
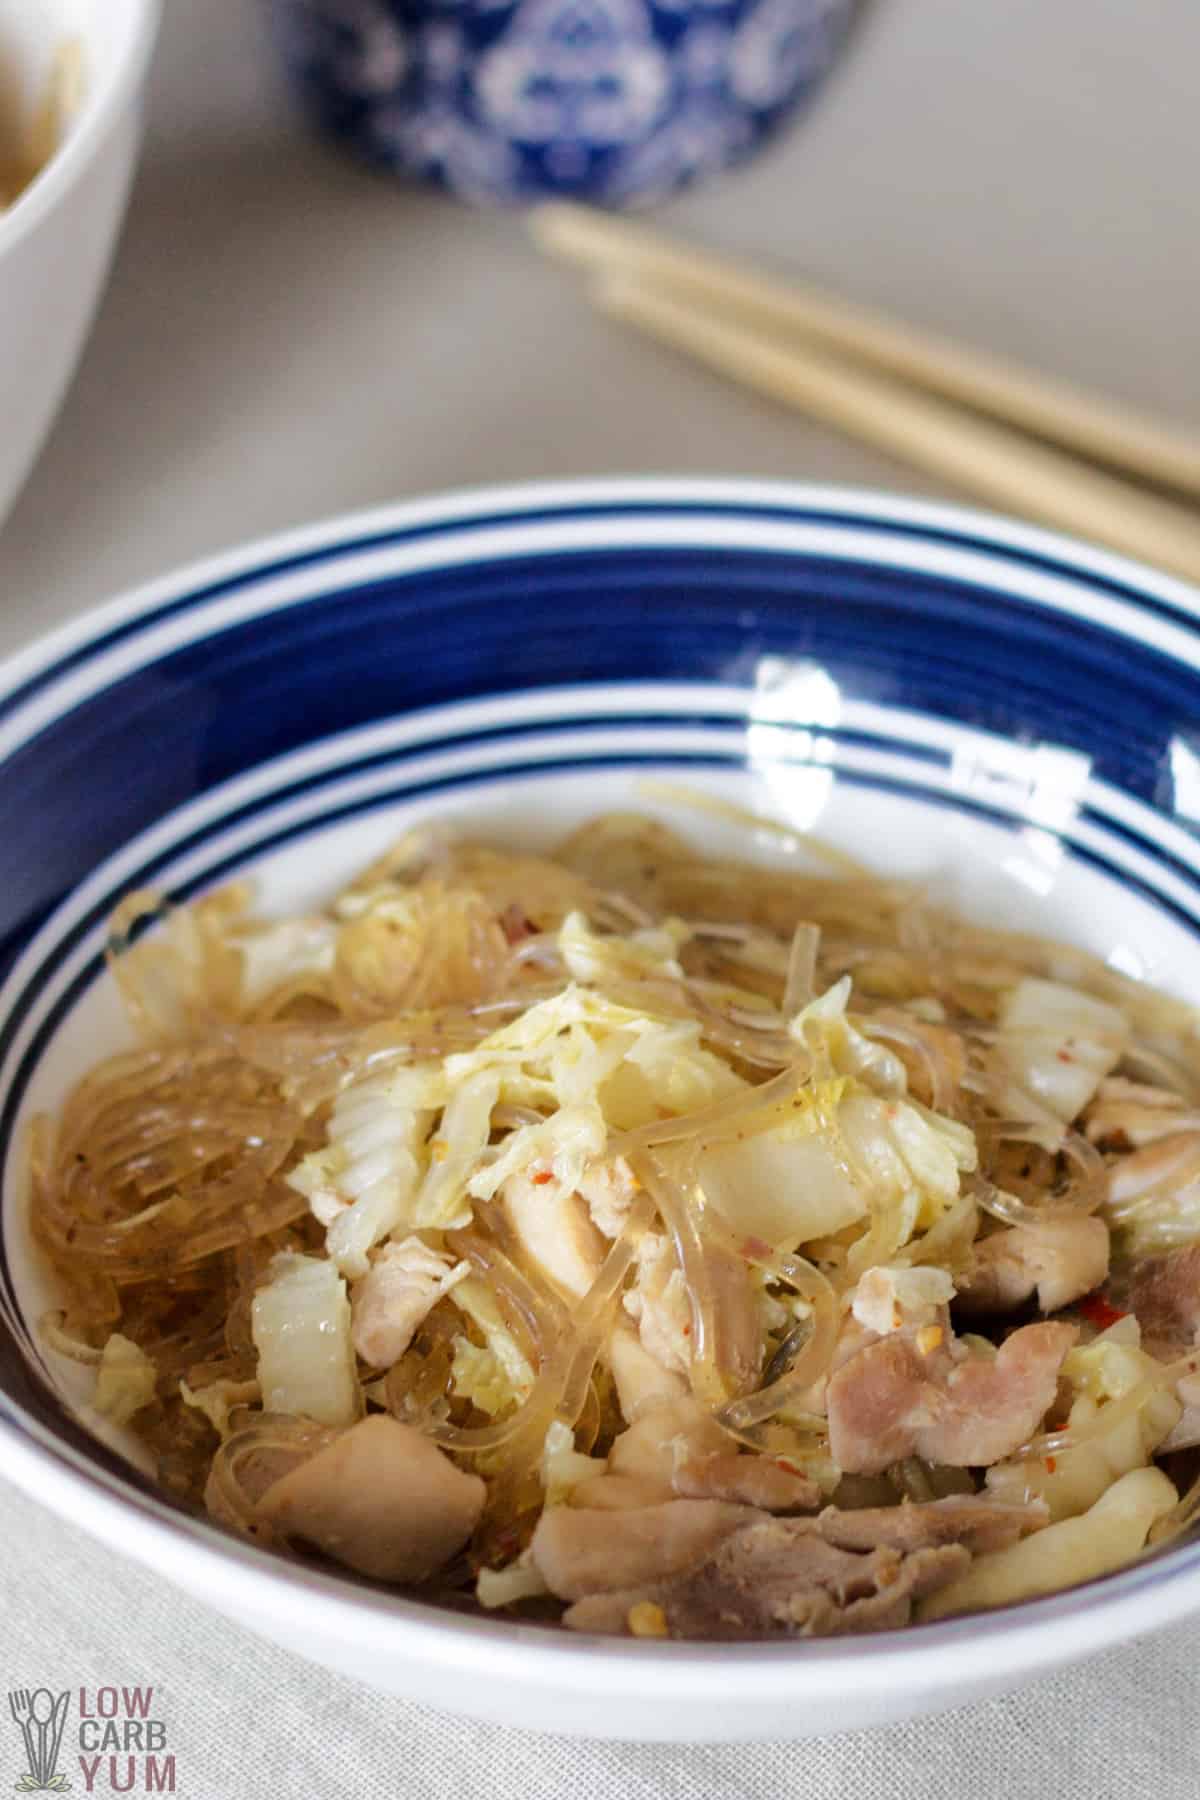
(614, 101)
(1009, 715)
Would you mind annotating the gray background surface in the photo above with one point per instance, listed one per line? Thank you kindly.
(286, 337)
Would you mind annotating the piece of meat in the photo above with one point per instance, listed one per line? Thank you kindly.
(1127, 1114)
(621, 1493)
(579, 1550)
(794, 1567)
(1169, 1161)
(641, 1380)
(555, 1229)
(609, 1187)
(659, 1305)
(1185, 1433)
(1060, 1259)
(680, 1448)
(380, 1498)
(889, 1402)
(749, 1480)
(852, 1337)
(403, 1285)
(1164, 1296)
(663, 1440)
(776, 1578)
(977, 1523)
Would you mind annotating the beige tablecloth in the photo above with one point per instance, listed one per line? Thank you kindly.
(286, 337)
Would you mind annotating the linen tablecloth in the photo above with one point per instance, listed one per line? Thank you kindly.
(286, 337)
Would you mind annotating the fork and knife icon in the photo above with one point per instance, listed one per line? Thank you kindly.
(42, 1717)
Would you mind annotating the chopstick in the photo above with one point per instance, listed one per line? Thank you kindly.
(1046, 407)
(991, 461)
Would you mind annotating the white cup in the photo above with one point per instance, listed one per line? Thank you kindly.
(56, 241)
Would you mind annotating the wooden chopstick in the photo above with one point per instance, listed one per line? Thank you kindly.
(1048, 408)
(993, 462)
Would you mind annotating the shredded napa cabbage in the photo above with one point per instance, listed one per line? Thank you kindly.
(590, 958)
(300, 1323)
(495, 1375)
(364, 1184)
(564, 1144)
(1055, 1044)
(477, 1375)
(579, 1046)
(848, 1142)
(458, 1144)
(586, 1064)
(825, 1030)
(125, 1380)
(519, 1580)
(284, 951)
(888, 1299)
(1165, 1217)
(563, 1467)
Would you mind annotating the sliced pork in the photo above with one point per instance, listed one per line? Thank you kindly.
(775, 1579)
(1060, 1260)
(580, 1551)
(642, 1382)
(749, 1480)
(948, 1406)
(556, 1231)
(1164, 1296)
(403, 1284)
(978, 1523)
(1127, 1114)
(1170, 1163)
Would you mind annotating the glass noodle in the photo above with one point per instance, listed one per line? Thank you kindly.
(627, 1093)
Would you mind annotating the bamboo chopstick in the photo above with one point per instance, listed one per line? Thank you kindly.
(1049, 408)
(997, 464)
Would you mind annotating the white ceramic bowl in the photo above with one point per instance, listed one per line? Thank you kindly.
(56, 242)
(931, 688)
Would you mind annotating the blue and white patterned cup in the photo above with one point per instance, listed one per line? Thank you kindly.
(612, 101)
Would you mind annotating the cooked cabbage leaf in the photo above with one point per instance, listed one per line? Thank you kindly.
(300, 1324)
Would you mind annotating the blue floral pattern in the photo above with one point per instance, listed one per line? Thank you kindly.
(615, 101)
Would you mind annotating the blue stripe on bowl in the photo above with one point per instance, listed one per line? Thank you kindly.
(973, 536)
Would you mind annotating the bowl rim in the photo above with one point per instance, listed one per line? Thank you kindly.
(101, 110)
(990, 534)
(1017, 1640)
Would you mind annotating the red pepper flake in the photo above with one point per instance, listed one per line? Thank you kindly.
(1064, 1056)
(1100, 1312)
(755, 1247)
(542, 1177)
(1051, 1464)
(687, 1330)
(789, 1468)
